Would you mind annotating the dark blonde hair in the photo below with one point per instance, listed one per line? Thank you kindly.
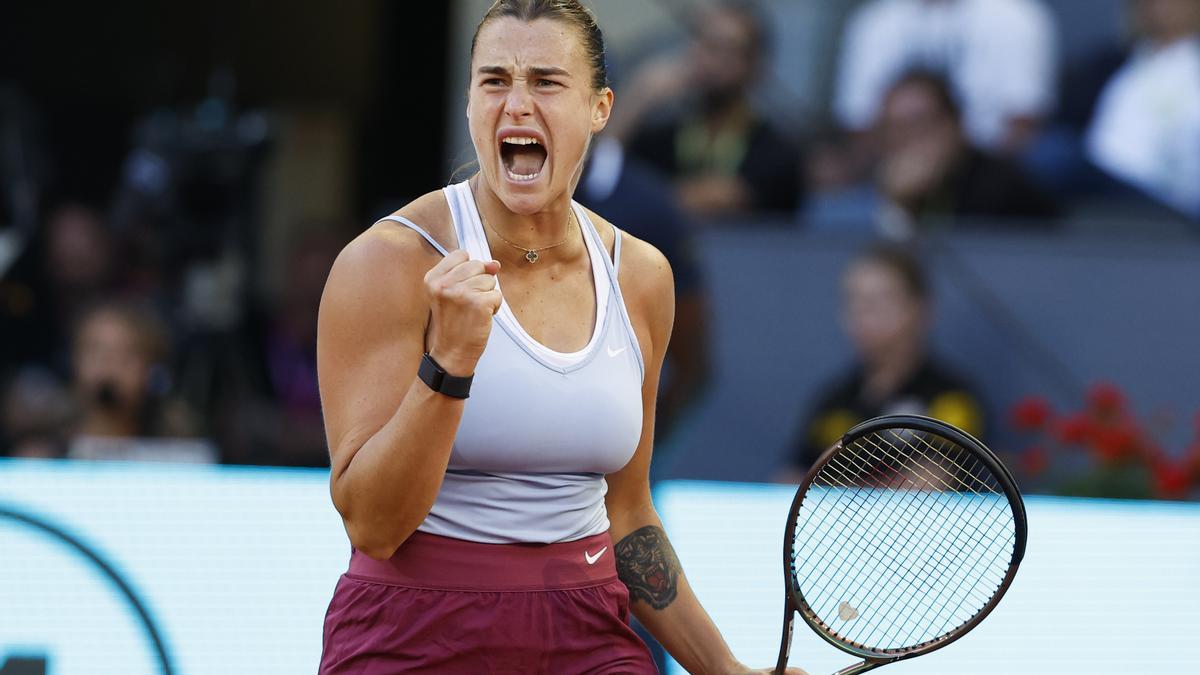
(571, 12)
(902, 262)
(150, 333)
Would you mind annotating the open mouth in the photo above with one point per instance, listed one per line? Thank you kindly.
(523, 157)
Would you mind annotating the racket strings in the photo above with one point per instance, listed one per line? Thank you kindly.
(893, 534)
(900, 540)
(965, 549)
(839, 468)
(992, 491)
(911, 579)
(911, 589)
(942, 552)
(1000, 524)
(877, 457)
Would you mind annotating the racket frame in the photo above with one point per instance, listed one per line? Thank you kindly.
(796, 604)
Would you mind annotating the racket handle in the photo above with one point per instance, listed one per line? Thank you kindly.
(785, 642)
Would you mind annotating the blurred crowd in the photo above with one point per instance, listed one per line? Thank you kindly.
(134, 326)
(108, 355)
(943, 113)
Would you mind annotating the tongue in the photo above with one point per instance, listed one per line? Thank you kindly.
(527, 160)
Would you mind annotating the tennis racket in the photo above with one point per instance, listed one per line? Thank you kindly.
(902, 537)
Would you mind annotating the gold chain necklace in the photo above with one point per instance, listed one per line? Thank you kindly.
(531, 254)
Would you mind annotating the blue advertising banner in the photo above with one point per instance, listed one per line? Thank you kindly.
(152, 568)
(109, 567)
(1106, 587)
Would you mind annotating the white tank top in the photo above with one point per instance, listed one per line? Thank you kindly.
(541, 428)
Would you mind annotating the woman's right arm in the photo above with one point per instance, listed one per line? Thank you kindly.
(389, 435)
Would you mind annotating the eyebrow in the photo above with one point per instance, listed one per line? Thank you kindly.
(537, 71)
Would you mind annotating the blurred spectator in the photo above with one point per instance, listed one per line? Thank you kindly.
(722, 155)
(68, 266)
(35, 412)
(1055, 158)
(1083, 81)
(290, 353)
(887, 314)
(120, 383)
(1146, 128)
(930, 169)
(998, 55)
(636, 199)
(258, 385)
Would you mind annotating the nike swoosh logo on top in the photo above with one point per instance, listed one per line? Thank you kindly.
(591, 559)
(613, 352)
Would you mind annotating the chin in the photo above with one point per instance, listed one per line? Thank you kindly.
(523, 205)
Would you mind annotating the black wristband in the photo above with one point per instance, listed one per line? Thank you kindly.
(442, 382)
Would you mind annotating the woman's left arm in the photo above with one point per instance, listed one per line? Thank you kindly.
(659, 592)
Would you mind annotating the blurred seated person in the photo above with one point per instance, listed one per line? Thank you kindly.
(690, 117)
(998, 55)
(290, 354)
(1055, 157)
(626, 191)
(35, 414)
(886, 313)
(120, 351)
(930, 170)
(67, 266)
(1146, 127)
(258, 384)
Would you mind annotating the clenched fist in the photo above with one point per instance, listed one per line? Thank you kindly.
(462, 298)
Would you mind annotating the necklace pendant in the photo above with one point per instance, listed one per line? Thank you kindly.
(531, 256)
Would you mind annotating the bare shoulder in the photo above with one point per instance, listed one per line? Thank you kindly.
(647, 283)
(643, 267)
(431, 213)
(382, 269)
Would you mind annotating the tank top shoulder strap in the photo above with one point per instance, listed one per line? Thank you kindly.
(594, 235)
(616, 249)
(611, 267)
(467, 224)
(418, 229)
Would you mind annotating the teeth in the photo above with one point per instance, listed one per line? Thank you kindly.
(519, 177)
(521, 140)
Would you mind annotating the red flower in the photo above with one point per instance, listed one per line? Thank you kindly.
(1151, 452)
(1113, 443)
(1031, 413)
(1075, 429)
(1034, 460)
(1105, 399)
(1171, 480)
(1192, 460)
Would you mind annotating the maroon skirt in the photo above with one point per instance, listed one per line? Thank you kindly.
(449, 606)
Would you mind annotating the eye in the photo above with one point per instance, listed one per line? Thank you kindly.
(492, 82)
(543, 83)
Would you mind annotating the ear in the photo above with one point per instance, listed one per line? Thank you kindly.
(601, 109)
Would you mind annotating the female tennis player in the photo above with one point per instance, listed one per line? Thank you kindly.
(511, 531)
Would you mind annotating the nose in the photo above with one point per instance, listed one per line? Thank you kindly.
(519, 103)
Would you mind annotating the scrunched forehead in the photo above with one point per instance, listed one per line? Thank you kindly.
(571, 12)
